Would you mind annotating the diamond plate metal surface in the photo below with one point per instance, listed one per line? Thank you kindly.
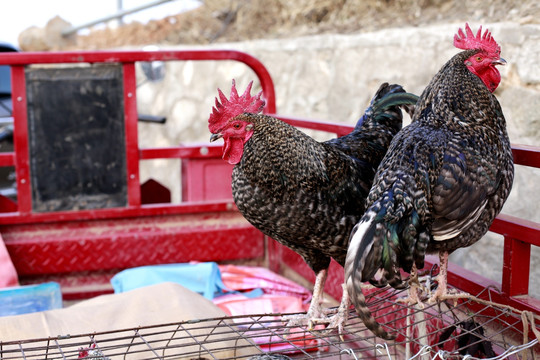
(121, 243)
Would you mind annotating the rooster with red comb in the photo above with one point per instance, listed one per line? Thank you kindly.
(305, 194)
(443, 180)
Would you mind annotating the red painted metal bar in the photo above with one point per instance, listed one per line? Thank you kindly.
(526, 155)
(519, 235)
(516, 267)
(130, 120)
(338, 129)
(115, 213)
(260, 70)
(7, 159)
(187, 151)
(516, 228)
(20, 139)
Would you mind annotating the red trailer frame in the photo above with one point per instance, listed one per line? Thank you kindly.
(83, 248)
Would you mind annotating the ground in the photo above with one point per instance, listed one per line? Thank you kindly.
(238, 20)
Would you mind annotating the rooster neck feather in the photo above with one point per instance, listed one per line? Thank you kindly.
(460, 96)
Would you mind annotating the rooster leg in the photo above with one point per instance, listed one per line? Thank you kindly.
(314, 314)
(442, 289)
(339, 319)
(442, 292)
(315, 308)
(414, 289)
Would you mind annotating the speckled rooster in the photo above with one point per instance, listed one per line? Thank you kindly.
(308, 195)
(444, 179)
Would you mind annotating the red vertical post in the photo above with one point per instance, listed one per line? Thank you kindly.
(132, 147)
(20, 138)
(516, 267)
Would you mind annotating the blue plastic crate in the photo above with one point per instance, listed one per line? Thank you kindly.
(30, 298)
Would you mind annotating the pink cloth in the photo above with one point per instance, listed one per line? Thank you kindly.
(246, 278)
(8, 274)
(280, 295)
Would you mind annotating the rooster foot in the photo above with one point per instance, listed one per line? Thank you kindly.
(306, 321)
(413, 298)
(335, 321)
(316, 317)
(415, 290)
(322, 322)
(442, 293)
(452, 294)
(442, 289)
(437, 296)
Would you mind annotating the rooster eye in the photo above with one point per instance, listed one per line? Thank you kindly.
(237, 126)
(478, 58)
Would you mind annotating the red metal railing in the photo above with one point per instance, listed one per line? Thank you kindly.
(20, 157)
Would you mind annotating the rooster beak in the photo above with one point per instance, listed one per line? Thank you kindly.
(215, 137)
(499, 61)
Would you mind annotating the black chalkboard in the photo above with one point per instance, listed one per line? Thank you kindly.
(76, 137)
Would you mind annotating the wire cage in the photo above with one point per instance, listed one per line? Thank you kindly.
(465, 327)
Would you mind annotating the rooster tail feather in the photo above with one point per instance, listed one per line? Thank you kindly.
(389, 237)
(358, 269)
(386, 104)
(404, 100)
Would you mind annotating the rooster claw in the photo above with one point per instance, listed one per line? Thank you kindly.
(451, 294)
(321, 323)
(302, 321)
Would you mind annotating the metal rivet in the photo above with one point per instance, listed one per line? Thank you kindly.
(19, 98)
(23, 181)
(130, 95)
(204, 150)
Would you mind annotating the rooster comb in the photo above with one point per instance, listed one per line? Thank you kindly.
(236, 105)
(468, 41)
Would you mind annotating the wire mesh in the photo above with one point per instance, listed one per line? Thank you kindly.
(444, 330)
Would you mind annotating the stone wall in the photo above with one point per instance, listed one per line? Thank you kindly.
(332, 77)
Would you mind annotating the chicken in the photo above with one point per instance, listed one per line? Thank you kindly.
(443, 180)
(305, 194)
(469, 339)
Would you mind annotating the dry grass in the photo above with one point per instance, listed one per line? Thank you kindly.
(238, 20)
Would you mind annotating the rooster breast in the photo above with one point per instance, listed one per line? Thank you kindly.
(302, 193)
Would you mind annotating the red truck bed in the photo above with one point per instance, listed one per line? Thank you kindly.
(83, 247)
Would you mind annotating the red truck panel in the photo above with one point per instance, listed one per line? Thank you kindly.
(121, 243)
